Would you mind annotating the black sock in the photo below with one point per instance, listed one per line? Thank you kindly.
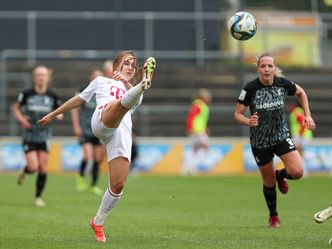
(283, 174)
(95, 173)
(82, 167)
(40, 183)
(270, 195)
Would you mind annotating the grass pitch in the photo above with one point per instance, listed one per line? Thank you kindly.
(165, 212)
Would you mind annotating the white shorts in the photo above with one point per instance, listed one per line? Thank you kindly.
(117, 141)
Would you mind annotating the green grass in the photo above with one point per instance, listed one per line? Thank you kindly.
(165, 212)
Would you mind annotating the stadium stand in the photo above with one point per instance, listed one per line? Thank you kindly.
(166, 104)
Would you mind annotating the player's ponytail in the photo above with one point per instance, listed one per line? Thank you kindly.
(279, 73)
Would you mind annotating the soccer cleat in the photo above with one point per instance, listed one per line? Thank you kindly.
(282, 184)
(21, 176)
(147, 72)
(98, 230)
(96, 190)
(274, 221)
(81, 184)
(39, 202)
(323, 215)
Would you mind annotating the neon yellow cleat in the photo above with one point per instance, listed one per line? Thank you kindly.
(81, 184)
(96, 190)
(147, 72)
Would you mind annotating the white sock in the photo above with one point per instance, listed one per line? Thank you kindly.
(195, 161)
(107, 204)
(187, 162)
(88, 167)
(132, 96)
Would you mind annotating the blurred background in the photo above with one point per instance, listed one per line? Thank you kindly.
(192, 46)
(190, 41)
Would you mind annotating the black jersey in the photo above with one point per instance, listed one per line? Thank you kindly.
(36, 106)
(86, 111)
(269, 103)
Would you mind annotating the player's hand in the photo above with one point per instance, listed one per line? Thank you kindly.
(309, 122)
(25, 123)
(253, 120)
(45, 120)
(119, 76)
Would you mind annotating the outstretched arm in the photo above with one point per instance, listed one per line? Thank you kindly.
(68, 105)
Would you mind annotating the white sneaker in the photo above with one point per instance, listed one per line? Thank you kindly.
(39, 202)
(323, 215)
(147, 72)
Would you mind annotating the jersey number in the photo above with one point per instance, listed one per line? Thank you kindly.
(290, 142)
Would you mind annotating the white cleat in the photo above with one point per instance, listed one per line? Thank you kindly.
(39, 202)
(323, 215)
(147, 72)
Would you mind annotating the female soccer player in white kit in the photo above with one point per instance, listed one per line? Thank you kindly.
(111, 122)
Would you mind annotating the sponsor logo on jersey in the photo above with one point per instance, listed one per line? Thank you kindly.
(270, 105)
(39, 108)
(117, 92)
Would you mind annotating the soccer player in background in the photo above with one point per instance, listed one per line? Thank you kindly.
(108, 68)
(31, 105)
(298, 129)
(111, 122)
(93, 150)
(197, 130)
(269, 133)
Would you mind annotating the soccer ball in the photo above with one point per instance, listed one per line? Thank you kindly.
(242, 26)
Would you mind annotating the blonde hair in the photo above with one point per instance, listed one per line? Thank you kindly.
(49, 71)
(203, 94)
(108, 64)
(278, 72)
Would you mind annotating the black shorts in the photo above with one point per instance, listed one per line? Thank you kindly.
(89, 139)
(32, 146)
(264, 156)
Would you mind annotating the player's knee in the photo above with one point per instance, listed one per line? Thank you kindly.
(31, 169)
(118, 186)
(296, 173)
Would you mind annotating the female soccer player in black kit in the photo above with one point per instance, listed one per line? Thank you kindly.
(269, 133)
(31, 105)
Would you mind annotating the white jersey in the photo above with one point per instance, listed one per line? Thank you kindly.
(107, 90)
